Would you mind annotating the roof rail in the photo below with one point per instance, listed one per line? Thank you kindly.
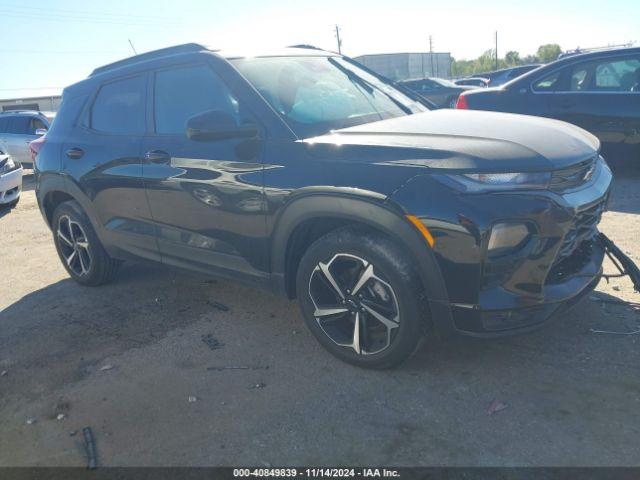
(163, 52)
(578, 51)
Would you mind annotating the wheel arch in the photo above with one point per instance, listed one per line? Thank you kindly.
(336, 209)
(54, 189)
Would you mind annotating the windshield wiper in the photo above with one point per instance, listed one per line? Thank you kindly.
(369, 87)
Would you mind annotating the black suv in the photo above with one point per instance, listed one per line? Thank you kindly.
(304, 173)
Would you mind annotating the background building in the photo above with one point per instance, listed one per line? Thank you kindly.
(45, 103)
(402, 66)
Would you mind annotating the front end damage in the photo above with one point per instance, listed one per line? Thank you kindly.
(513, 260)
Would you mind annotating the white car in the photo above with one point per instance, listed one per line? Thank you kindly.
(10, 181)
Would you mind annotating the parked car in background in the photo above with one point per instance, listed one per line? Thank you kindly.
(472, 82)
(598, 91)
(500, 77)
(10, 181)
(443, 93)
(300, 172)
(18, 128)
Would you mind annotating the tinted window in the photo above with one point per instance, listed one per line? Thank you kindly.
(3, 125)
(579, 79)
(607, 75)
(36, 124)
(548, 83)
(119, 107)
(18, 125)
(621, 75)
(184, 92)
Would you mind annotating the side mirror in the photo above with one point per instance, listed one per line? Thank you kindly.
(217, 125)
(40, 131)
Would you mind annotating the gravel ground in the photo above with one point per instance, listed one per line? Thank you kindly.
(138, 361)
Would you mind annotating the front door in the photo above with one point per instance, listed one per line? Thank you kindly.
(18, 136)
(603, 97)
(206, 197)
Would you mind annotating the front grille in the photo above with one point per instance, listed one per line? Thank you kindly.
(572, 177)
(583, 230)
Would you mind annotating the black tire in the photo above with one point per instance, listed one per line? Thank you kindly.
(395, 285)
(11, 204)
(101, 268)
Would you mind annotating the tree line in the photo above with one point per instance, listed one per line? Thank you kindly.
(487, 61)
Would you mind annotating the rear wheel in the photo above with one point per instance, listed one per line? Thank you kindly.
(79, 249)
(360, 297)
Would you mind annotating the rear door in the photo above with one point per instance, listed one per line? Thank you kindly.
(603, 97)
(17, 138)
(206, 197)
(102, 159)
(4, 122)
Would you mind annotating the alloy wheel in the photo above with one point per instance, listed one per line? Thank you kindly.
(354, 306)
(74, 246)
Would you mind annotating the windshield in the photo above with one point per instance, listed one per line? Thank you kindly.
(315, 95)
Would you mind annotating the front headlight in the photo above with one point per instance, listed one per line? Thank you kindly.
(8, 166)
(483, 182)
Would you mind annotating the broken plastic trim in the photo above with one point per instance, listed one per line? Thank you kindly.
(622, 262)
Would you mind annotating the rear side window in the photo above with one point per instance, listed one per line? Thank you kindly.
(184, 92)
(119, 107)
(621, 75)
(18, 125)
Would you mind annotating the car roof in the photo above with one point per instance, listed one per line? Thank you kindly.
(190, 48)
(25, 113)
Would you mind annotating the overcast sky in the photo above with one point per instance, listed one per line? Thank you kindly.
(50, 44)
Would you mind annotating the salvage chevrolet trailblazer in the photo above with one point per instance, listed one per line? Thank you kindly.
(305, 173)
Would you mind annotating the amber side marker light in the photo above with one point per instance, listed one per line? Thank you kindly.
(421, 228)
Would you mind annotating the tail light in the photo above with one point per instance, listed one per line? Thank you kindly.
(462, 103)
(35, 146)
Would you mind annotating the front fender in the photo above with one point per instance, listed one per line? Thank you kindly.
(370, 210)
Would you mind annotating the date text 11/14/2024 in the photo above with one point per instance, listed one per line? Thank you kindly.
(316, 473)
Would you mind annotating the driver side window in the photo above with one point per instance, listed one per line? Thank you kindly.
(184, 92)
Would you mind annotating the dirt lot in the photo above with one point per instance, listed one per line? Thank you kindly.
(126, 358)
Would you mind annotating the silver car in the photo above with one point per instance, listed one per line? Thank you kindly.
(18, 128)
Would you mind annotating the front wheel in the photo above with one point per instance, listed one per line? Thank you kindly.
(79, 249)
(360, 297)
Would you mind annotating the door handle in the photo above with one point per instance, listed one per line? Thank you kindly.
(157, 156)
(75, 153)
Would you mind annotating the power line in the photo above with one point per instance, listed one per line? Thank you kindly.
(87, 12)
(61, 52)
(29, 88)
(85, 19)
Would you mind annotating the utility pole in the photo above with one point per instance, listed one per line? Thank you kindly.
(431, 53)
(496, 50)
(339, 40)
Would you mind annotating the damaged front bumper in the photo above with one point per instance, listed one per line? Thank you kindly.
(493, 293)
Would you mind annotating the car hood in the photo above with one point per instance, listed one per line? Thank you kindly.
(462, 140)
